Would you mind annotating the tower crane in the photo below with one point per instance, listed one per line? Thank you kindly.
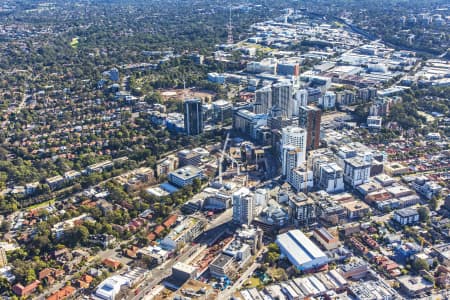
(222, 156)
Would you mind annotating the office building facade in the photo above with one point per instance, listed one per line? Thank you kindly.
(282, 93)
(263, 100)
(309, 119)
(193, 116)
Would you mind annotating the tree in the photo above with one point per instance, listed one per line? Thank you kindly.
(5, 226)
(424, 214)
(272, 257)
(273, 247)
(434, 203)
(83, 234)
(420, 264)
(4, 285)
(273, 253)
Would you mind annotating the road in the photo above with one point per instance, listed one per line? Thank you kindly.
(221, 219)
(22, 103)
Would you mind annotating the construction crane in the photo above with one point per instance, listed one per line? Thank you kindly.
(222, 156)
(233, 161)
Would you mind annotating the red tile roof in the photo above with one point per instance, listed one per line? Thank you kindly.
(63, 293)
(111, 263)
(159, 229)
(151, 236)
(170, 221)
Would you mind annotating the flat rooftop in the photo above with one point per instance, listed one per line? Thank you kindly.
(415, 283)
(186, 172)
(222, 260)
(184, 267)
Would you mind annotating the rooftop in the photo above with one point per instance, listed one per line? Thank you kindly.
(406, 212)
(184, 267)
(222, 260)
(301, 248)
(414, 283)
(186, 172)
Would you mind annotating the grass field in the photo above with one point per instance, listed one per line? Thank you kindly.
(43, 204)
(179, 94)
(252, 282)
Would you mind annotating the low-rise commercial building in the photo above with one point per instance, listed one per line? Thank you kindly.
(373, 289)
(110, 287)
(415, 286)
(183, 233)
(406, 216)
(356, 269)
(356, 209)
(326, 239)
(221, 266)
(185, 176)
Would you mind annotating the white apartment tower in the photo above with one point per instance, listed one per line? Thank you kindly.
(244, 206)
(293, 148)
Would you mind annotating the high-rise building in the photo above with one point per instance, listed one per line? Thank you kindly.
(328, 101)
(288, 69)
(193, 116)
(309, 119)
(304, 209)
(291, 158)
(3, 259)
(243, 206)
(293, 148)
(282, 97)
(263, 100)
(300, 99)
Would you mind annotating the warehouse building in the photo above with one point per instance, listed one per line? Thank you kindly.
(301, 251)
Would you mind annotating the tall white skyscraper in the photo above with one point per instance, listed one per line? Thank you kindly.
(282, 96)
(263, 100)
(293, 148)
(300, 99)
(244, 206)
